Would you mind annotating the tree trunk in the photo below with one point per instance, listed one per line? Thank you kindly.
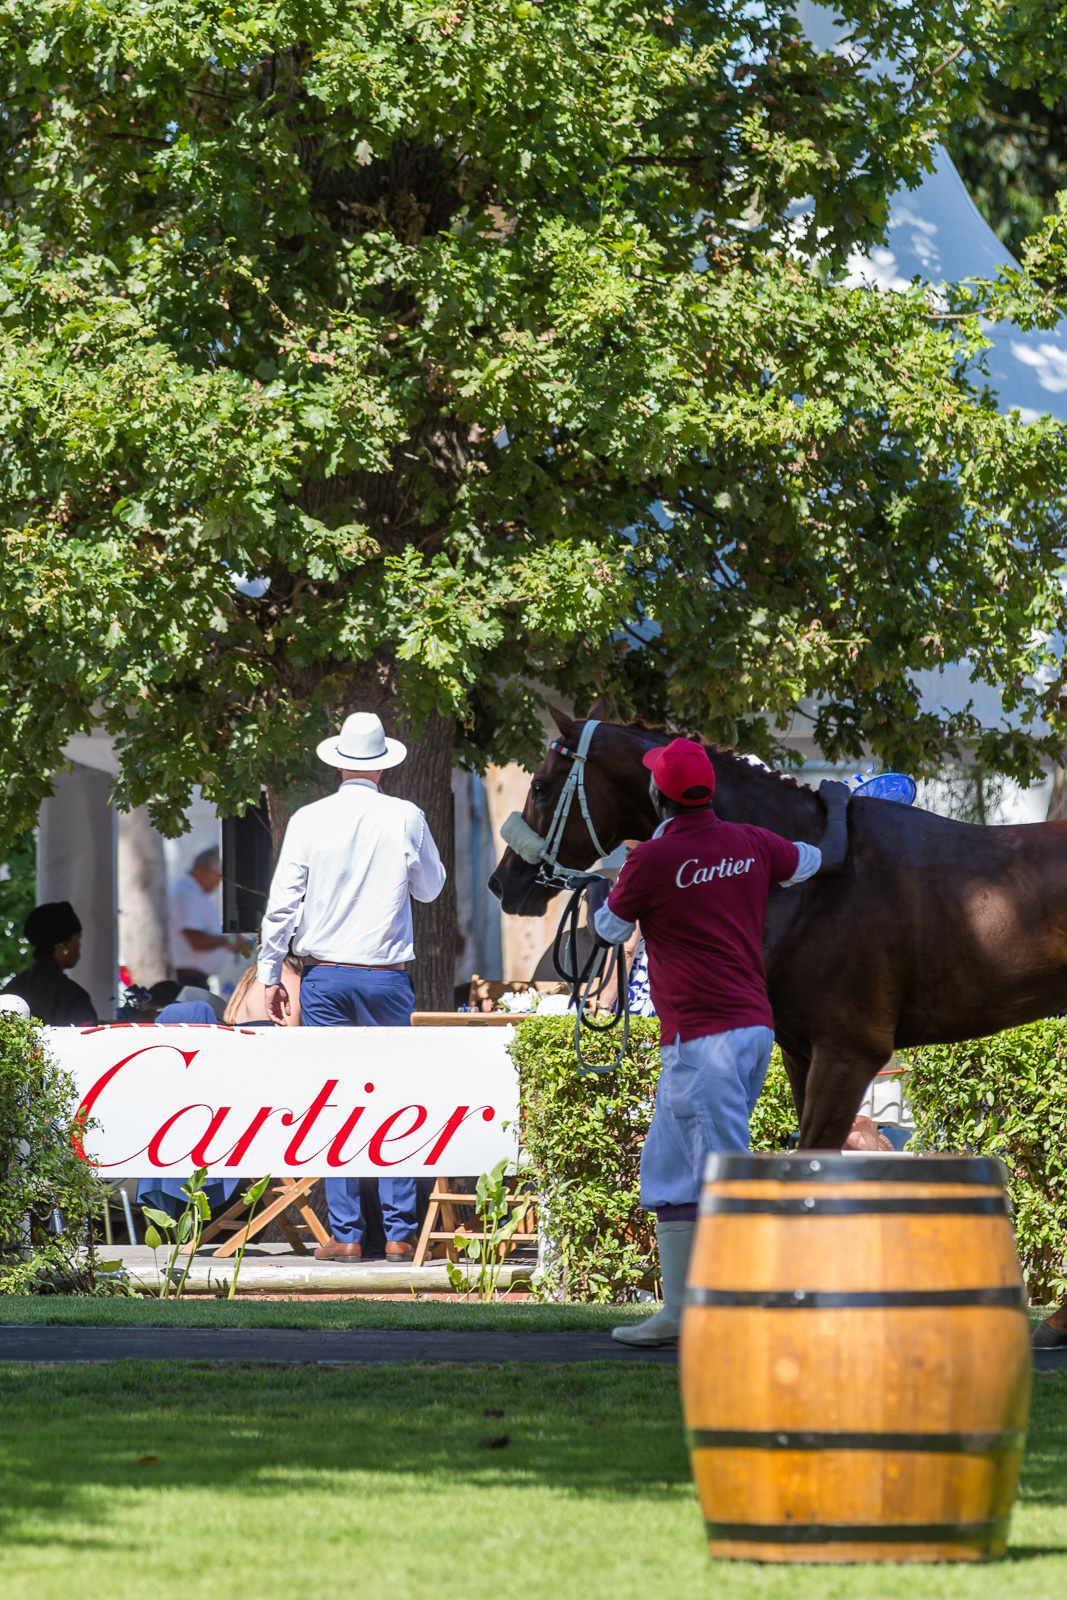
(278, 813)
(1057, 802)
(426, 779)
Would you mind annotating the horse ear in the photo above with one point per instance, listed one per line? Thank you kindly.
(560, 718)
(598, 710)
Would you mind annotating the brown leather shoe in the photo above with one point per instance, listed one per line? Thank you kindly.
(399, 1250)
(337, 1250)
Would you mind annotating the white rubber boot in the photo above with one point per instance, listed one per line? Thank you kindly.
(675, 1241)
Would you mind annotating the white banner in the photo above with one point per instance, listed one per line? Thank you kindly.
(340, 1102)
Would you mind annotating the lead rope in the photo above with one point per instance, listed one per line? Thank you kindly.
(586, 986)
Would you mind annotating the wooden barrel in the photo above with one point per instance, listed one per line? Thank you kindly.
(855, 1358)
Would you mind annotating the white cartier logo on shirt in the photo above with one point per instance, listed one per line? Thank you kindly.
(724, 869)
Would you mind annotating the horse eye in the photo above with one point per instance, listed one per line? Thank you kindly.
(539, 788)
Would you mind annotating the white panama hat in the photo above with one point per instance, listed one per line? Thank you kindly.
(361, 745)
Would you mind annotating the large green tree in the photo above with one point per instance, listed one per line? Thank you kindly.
(403, 356)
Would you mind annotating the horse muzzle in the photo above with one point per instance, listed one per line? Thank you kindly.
(520, 887)
(523, 840)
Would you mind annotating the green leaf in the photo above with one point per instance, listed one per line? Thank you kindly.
(255, 1192)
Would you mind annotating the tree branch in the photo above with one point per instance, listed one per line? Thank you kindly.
(930, 76)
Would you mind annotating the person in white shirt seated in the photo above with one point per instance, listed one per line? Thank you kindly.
(198, 946)
(342, 891)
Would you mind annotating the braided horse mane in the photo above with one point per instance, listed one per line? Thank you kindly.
(660, 733)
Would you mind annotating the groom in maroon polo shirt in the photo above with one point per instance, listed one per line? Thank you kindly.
(699, 890)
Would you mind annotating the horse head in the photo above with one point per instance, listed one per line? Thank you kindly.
(612, 777)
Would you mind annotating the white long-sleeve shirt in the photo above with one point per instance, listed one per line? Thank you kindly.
(190, 906)
(344, 880)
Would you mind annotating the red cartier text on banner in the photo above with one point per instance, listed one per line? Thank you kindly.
(400, 1126)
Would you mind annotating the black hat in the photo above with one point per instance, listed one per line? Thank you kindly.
(49, 925)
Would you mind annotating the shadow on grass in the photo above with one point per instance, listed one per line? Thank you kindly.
(79, 1442)
(69, 1433)
(1044, 1476)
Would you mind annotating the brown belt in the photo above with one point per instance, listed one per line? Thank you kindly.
(356, 966)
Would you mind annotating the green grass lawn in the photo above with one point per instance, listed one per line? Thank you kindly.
(358, 1312)
(115, 1312)
(297, 1483)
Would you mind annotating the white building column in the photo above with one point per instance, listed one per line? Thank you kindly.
(76, 861)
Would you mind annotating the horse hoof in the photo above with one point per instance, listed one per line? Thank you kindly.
(1046, 1337)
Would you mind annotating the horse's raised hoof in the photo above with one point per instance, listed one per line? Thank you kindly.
(1046, 1337)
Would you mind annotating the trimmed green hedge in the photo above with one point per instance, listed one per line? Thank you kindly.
(1006, 1096)
(583, 1137)
(41, 1170)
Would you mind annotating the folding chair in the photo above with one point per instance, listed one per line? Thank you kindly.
(280, 1194)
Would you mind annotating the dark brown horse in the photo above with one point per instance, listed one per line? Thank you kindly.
(936, 930)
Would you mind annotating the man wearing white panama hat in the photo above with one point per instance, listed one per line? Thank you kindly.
(341, 891)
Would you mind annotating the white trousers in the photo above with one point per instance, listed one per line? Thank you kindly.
(705, 1096)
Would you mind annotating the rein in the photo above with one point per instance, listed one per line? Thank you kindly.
(603, 962)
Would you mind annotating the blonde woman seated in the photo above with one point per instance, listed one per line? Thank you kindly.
(248, 1003)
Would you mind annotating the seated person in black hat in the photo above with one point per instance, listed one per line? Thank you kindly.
(56, 936)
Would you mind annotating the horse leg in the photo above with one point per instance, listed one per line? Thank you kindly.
(1052, 1333)
(796, 1067)
(836, 1084)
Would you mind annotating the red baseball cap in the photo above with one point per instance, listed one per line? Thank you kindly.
(683, 772)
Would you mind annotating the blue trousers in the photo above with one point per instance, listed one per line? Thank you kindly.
(359, 997)
(706, 1093)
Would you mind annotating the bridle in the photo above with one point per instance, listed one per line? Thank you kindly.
(604, 962)
(544, 852)
(575, 784)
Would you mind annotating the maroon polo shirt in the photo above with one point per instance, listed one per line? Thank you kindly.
(700, 892)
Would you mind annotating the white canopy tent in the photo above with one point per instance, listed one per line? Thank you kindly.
(937, 234)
